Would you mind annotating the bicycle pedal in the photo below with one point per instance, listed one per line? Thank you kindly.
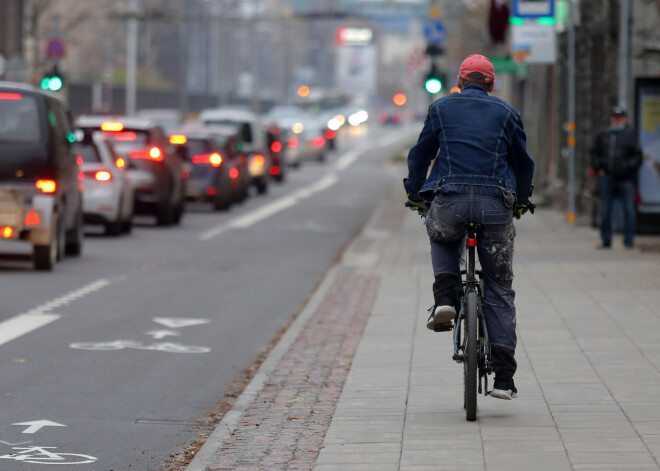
(446, 327)
(458, 358)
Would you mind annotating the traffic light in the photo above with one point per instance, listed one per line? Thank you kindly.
(435, 80)
(53, 79)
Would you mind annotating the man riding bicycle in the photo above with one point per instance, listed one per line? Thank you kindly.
(482, 174)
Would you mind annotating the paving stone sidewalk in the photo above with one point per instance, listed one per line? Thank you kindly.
(359, 383)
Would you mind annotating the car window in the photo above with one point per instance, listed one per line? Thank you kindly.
(88, 152)
(19, 118)
(193, 147)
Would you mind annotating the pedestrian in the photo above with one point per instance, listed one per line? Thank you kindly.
(482, 174)
(615, 158)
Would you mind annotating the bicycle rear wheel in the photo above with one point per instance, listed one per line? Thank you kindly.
(470, 351)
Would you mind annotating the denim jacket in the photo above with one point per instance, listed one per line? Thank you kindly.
(476, 139)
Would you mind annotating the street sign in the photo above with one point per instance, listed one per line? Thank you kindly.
(55, 48)
(434, 32)
(534, 44)
(533, 8)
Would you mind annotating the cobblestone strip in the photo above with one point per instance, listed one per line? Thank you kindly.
(285, 426)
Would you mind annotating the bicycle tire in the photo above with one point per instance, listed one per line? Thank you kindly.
(471, 361)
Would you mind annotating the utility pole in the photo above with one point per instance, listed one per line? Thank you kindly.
(131, 56)
(570, 124)
(624, 47)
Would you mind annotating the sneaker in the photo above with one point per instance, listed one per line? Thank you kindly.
(504, 390)
(603, 246)
(440, 315)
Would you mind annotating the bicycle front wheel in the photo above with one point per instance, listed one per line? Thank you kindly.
(470, 352)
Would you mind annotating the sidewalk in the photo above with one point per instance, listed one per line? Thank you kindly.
(358, 382)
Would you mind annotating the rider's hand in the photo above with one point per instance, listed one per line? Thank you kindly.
(418, 205)
(522, 207)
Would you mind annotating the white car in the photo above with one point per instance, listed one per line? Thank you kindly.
(107, 189)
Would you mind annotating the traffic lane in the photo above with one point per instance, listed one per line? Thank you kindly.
(152, 375)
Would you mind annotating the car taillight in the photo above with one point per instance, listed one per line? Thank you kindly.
(7, 232)
(274, 170)
(276, 146)
(125, 136)
(111, 126)
(258, 160)
(185, 174)
(330, 134)
(233, 173)
(211, 190)
(121, 163)
(214, 159)
(318, 141)
(79, 160)
(293, 143)
(103, 176)
(11, 96)
(152, 154)
(46, 186)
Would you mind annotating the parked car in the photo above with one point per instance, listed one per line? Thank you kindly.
(208, 171)
(249, 124)
(40, 196)
(153, 166)
(108, 191)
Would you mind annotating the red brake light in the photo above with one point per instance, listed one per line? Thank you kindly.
(276, 146)
(214, 159)
(293, 143)
(211, 190)
(258, 159)
(111, 126)
(103, 176)
(79, 160)
(155, 153)
(7, 232)
(330, 134)
(10, 96)
(125, 136)
(233, 173)
(47, 186)
(318, 141)
(152, 154)
(274, 170)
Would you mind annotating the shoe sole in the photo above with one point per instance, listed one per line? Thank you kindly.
(441, 316)
(505, 394)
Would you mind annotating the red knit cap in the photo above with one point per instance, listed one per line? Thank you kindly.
(477, 63)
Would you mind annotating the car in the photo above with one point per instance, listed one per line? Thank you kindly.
(259, 161)
(278, 152)
(154, 168)
(108, 194)
(390, 116)
(168, 118)
(40, 196)
(208, 168)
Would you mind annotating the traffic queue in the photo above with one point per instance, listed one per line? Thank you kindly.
(59, 174)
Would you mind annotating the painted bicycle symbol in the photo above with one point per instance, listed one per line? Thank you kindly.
(41, 455)
(121, 344)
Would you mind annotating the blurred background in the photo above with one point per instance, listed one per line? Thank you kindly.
(122, 56)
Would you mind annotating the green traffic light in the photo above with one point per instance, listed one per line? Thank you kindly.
(433, 85)
(54, 84)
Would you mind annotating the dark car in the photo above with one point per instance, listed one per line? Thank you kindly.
(275, 141)
(40, 196)
(152, 164)
(208, 171)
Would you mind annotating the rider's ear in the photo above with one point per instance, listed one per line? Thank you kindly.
(458, 83)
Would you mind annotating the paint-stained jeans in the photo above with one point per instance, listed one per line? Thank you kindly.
(491, 208)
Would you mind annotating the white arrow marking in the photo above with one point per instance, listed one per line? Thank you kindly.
(176, 322)
(37, 425)
(161, 334)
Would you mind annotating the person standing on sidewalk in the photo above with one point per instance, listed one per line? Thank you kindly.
(615, 158)
(482, 174)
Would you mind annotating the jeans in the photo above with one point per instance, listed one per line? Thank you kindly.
(491, 208)
(609, 188)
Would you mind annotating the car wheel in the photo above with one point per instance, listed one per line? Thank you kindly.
(127, 225)
(165, 215)
(44, 257)
(262, 186)
(75, 237)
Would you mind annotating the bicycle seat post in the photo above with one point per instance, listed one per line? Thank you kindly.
(471, 243)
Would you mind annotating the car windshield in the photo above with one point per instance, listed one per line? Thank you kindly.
(128, 140)
(19, 119)
(193, 147)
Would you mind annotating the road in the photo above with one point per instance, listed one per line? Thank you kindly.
(112, 359)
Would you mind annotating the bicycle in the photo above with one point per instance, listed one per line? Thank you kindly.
(471, 345)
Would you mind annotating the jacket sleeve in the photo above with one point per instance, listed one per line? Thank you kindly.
(420, 156)
(596, 153)
(523, 164)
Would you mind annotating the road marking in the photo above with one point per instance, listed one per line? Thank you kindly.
(38, 317)
(23, 324)
(37, 425)
(161, 334)
(176, 322)
(272, 208)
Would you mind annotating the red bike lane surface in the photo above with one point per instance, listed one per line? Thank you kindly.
(286, 424)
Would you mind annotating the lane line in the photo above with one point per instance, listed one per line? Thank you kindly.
(25, 323)
(286, 202)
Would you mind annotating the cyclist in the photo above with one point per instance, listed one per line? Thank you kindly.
(482, 174)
